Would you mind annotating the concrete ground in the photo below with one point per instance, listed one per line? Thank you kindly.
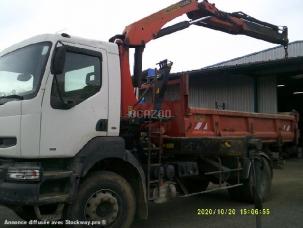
(285, 205)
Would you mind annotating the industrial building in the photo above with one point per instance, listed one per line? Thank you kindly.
(260, 82)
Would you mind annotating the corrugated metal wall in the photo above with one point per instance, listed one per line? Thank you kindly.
(267, 95)
(237, 92)
(295, 49)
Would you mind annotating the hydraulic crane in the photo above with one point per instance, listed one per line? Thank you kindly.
(205, 14)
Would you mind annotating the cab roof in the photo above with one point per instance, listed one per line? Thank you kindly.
(54, 38)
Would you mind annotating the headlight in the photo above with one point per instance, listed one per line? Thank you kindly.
(23, 174)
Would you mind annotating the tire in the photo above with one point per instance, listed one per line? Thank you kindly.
(245, 192)
(118, 201)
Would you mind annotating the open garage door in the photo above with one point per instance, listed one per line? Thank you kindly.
(290, 96)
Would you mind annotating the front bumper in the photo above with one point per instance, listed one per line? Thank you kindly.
(19, 193)
(16, 193)
(54, 187)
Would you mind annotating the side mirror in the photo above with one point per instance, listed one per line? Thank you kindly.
(58, 60)
(24, 77)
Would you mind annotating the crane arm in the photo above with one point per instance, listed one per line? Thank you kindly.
(201, 14)
(146, 29)
(239, 23)
(138, 34)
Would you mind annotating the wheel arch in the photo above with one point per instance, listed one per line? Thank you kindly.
(255, 144)
(109, 154)
(247, 165)
(268, 159)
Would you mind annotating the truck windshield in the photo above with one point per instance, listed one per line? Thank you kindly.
(21, 71)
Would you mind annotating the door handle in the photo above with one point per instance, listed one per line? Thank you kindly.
(102, 125)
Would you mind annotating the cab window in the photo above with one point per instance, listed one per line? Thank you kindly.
(80, 79)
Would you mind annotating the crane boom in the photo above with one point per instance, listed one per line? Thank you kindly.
(138, 34)
(201, 14)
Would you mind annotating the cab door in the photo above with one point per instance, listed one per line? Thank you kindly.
(75, 104)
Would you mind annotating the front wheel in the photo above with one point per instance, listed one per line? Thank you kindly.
(107, 198)
(246, 191)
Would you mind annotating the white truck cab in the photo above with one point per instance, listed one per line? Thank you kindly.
(60, 102)
(34, 121)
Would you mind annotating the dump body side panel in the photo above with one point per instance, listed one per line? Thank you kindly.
(192, 122)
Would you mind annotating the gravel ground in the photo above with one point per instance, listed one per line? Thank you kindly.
(285, 205)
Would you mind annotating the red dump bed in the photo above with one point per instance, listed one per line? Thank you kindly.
(206, 122)
(193, 122)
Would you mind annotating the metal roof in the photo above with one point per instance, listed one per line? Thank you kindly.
(279, 66)
(295, 49)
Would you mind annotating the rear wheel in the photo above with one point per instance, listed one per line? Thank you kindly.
(246, 191)
(105, 197)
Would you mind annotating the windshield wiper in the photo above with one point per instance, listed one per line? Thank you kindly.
(5, 99)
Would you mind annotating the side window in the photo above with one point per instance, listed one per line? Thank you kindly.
(80, 80)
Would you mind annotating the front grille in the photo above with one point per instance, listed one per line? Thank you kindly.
(4, 164)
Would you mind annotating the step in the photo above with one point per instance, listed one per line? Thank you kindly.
(154, 182)
(155, 164)
(157, 132)
(57, 174)
(53, 198)
(50, 217)
(152, 149)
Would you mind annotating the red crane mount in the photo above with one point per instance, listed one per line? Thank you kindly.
(205, 14)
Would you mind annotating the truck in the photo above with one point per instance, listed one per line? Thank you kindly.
(81, 139)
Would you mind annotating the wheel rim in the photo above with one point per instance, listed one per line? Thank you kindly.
(102, 206)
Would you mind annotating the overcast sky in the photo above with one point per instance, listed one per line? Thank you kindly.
(190, 49)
